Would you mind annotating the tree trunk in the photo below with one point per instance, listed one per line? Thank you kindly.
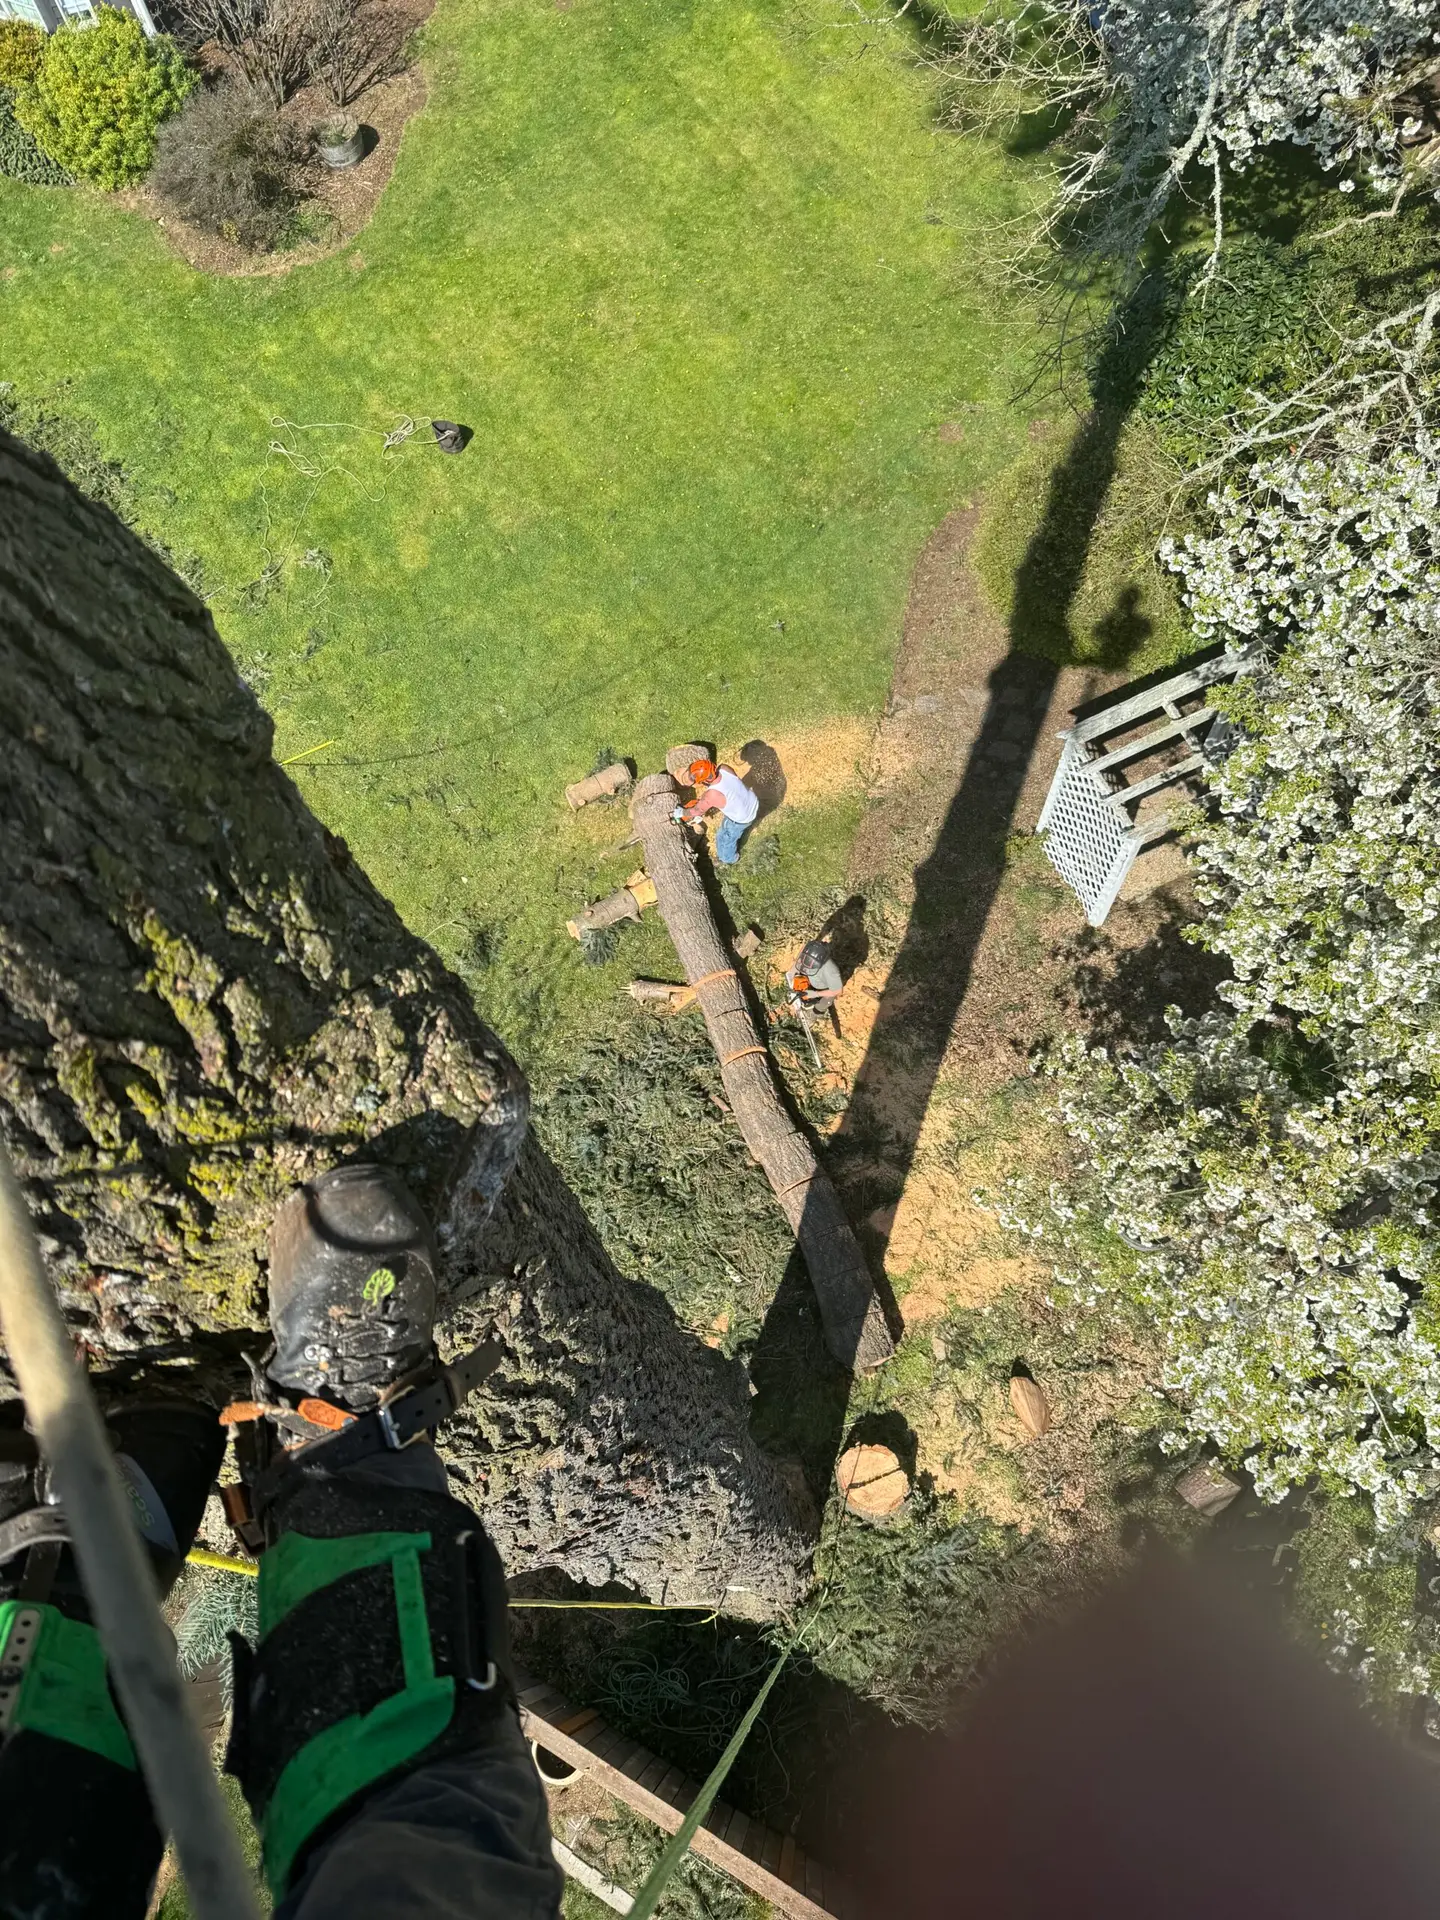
(203, 1001)
(855, 1329)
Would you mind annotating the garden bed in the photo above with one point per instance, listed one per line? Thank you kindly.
(340, 203)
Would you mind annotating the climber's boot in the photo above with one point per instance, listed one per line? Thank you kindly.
(78, 1839)
(383, 1643)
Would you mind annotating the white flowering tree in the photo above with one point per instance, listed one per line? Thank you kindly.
(1152, 93)
(1263, 1185)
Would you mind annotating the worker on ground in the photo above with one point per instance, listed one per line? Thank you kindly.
(376, 1734)
(815, 980)
(816, 983)
(721, 790)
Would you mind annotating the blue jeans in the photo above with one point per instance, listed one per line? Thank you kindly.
(727, 840)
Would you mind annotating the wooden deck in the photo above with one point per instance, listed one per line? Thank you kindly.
(772, 1864)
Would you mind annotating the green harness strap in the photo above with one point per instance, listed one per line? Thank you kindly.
(53, 1681)
(350, 1756)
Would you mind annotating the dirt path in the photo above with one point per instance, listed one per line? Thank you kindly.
(977, 954)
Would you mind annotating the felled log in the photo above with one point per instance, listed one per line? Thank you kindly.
(855, 1329)
(627, 903)
(600, 786)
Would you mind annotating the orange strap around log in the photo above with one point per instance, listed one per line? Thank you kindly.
(739, 1055)
(720, 973)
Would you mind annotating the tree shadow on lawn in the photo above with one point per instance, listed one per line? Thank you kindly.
(957, 883)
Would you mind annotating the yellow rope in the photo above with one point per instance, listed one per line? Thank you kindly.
(304, 750)
(226, 1562)
(230, 1563)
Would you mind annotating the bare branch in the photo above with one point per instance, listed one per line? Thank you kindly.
(269, 40)
(356, 47)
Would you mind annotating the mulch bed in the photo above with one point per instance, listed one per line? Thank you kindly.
(341, 202)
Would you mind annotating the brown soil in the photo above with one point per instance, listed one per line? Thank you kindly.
(820, 763)
(1037, 970)
(347, 199)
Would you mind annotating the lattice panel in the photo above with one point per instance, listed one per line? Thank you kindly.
(1084, 838)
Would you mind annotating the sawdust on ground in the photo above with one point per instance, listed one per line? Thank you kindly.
(820, 764)
(1036, 971)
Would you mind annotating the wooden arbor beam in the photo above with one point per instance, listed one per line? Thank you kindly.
(855, 1329)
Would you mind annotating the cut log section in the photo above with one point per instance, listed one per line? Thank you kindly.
(662, 996)
(679, 760)
(1030, 1406)
(600, 786)
(872, 1481)
(855, 1329)
(628, 903)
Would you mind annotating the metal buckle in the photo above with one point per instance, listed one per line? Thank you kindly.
(15, 1659)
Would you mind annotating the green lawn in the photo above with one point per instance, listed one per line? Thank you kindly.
(705, 279)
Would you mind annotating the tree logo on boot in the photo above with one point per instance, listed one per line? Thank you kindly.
(379, 1286)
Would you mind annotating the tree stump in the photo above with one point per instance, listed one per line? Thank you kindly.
(872, 1482)
(855, 1329)
(1208, 1489)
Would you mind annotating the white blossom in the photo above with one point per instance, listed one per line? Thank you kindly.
(1264, 1184)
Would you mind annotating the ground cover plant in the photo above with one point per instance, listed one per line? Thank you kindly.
(704, 296)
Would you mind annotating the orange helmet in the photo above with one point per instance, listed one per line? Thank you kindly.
(702, 772)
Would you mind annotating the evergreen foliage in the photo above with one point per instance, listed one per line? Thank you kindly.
(22, 49)
(100, 94)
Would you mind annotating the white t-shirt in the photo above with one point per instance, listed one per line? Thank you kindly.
(741, 805)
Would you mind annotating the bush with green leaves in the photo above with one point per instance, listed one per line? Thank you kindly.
(100, 96)
(233, 166)
(22, 48)
(20, 158)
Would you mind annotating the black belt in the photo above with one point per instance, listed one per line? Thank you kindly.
(387, 1428)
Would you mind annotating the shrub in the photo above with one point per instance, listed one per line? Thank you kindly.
(100, 96)
(355, 47)
(270, 41)
(1261, 1187)
(233, 166)
(20, 158)
(22, 48)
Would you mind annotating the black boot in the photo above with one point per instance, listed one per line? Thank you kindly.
(352, 1288)
(383, 1641)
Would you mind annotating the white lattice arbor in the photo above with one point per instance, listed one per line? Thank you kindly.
(1114, 790)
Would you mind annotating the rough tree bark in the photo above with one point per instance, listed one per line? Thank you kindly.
(855, 1329)
(203, 1001)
